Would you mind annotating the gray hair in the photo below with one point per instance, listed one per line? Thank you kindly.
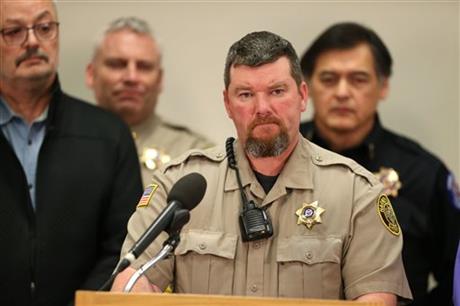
(131, 23)
(259, 48)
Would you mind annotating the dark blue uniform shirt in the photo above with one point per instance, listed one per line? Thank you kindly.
(426, 206)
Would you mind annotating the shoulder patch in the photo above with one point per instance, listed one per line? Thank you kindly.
(147, 195)
(387, 215)
(453, 190)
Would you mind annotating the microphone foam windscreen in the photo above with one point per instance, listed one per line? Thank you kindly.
(188, 190)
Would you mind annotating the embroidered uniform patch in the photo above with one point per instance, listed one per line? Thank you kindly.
(147, 195)
(454, 191)
(387, 215)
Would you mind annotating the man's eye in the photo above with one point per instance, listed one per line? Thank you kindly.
(244, 95)
(328, 80)
(145, 66)
(359, 80)
(13, 31)
(115, 64)
(277, 92)
(43, 28)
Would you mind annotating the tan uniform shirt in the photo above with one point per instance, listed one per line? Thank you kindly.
(349, 254)
(158, 142)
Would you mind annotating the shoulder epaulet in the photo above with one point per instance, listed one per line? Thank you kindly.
(205, 143)
(175, 126)
(325, 158)
(213, 154)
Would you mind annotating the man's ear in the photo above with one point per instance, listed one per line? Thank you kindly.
(303, 88)
(160, 80)
(89, 75)
(227, 103)
(384, 88)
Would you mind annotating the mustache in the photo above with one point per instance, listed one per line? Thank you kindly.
(31, 53)
(264, 120)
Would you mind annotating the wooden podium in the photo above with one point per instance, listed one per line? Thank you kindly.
(92, 298)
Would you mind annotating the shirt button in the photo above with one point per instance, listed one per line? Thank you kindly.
(202, 246)
(219, 155)
(256, 245)
(254, 288)
(318, 158)
(308, 255)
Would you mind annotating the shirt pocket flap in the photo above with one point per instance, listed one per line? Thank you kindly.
(206, 242)
(310, 250)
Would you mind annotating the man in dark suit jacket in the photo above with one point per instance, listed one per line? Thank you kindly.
(69, 176)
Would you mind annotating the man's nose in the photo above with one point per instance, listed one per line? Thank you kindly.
(131, 74)
(262, 104)
(343, 89)
(31, 40)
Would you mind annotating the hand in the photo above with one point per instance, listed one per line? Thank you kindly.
(142, 284)
(388, 299)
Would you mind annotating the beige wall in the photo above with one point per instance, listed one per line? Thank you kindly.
(195, 36)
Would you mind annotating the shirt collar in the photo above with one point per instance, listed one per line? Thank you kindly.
(7, 113)
(296, 173)
(146, 126)
(369, 142)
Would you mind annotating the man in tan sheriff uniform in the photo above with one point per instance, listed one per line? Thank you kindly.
(335, 233)
(126, 76)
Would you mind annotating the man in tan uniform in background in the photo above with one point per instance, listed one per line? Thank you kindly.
(335, 235)
(126, 76)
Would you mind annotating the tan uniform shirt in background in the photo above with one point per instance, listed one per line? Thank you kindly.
(349, 254)
(158, 142)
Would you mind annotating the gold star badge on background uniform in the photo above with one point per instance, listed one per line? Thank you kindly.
(389, 177)
(309, 214)
(152, 158)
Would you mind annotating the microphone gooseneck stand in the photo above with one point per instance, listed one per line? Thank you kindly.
(180, 218)
(168, 247)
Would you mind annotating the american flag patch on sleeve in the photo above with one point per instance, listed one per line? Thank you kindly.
(147, 195)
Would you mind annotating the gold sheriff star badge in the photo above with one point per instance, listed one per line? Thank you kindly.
(389, 177)
(309, 214)
(153, 158)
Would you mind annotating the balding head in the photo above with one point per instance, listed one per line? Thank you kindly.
(125, 72)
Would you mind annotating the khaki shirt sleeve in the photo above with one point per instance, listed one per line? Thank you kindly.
(372, 260)
(162, 273)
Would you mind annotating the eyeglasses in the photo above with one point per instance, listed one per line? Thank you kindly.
(18, 35)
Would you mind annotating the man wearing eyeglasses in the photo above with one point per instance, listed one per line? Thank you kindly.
(69, 174)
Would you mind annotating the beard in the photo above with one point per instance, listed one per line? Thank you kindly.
(266, 147)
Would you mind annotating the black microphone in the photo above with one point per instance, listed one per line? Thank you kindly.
(185, 194)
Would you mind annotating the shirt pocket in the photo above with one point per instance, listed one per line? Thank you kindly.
(204, 262)
(309, 267)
